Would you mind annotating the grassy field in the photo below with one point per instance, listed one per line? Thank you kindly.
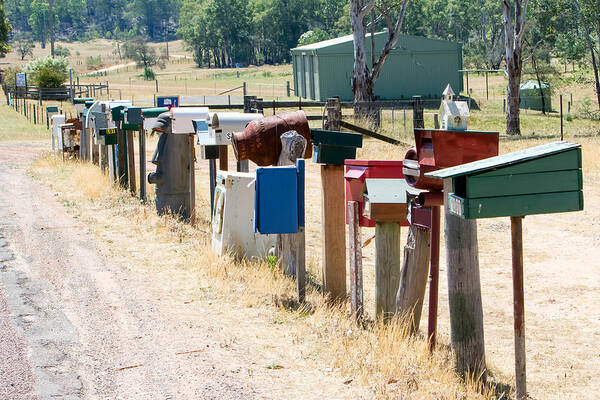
(562, 279)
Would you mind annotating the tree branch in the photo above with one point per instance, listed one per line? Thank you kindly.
(391, 42)
(366, 9)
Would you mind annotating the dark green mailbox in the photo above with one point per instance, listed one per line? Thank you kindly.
(540, 180)
(332, 147)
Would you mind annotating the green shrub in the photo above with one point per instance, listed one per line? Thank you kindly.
(569, 117)
(92, 62)
(49, 78)
(61, 51)
(149, 74)
(58, 65)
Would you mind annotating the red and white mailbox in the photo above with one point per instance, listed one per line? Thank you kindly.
(358, 171)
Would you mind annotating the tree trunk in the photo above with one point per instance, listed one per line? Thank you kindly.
(362, 85)
(539, 81)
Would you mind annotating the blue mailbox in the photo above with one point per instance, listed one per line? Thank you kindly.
(279, 201)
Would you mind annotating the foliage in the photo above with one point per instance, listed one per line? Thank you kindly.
(313, 36)
(61, 51)
(93, 63)
(5, 28)
(149, 74)
(10, 75)
(47, 77)
(137, 49)
(23, 43)
(47, 69)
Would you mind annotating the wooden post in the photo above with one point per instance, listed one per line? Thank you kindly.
(436, 121)
(418, 121)
(387, 268)
(487, 86)
(103, 158)
(212, 176)
(333, 231)
(95, 152)
(301, 265)
(334, 113)
(355, 257)
(223, 162)
(131, 163)
(413, 277)
(434, 276)
(121, 157)
(516, 225)
(142, 156)
(561, 118)
(192, 181)
(464, 291)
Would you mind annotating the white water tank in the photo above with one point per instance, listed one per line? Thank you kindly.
(233, 217)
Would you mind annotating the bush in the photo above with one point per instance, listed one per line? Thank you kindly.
(92, 62)
(61, 51)
(9, 75)
(49, 78)
(149, 74)
(57, 65)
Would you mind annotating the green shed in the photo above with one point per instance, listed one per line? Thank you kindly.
(416, 66)
(531, 97)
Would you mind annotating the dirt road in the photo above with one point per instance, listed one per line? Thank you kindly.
(76, 324)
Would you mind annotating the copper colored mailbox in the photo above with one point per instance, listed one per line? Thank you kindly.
(437, 149)
(358, 171)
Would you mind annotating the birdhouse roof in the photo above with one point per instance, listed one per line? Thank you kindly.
(448, 91)
(460, 108)
(503, 160)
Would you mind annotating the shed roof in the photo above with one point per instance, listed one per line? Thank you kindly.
(380, 39)
(503, 160)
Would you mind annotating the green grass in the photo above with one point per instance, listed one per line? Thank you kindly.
(16, 127)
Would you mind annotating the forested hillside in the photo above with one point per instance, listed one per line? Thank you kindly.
(225, 32)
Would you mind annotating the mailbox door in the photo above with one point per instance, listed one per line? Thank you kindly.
(276, 204)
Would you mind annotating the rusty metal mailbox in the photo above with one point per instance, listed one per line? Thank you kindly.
(437, 149)
(358, 171)
(540, 180)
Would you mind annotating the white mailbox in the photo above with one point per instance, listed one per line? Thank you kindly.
(233, 217)
(181, 118)
(57, 121)
(221, 126)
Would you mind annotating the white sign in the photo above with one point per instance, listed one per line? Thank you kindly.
(21, 79)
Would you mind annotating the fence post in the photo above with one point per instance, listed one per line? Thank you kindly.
(287, 88)
(418, 121)
(355, 258)
(244, 87)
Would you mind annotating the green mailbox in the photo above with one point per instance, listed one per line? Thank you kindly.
(116, 113)
(107, 136)
(153, 112)
(332, 147)
(51, 109)
(540, 180)
(82, 100)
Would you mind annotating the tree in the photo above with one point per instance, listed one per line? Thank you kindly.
(4, 31)
(590, 18)
(514, 12)
(137, 49)
(312, 36)
(363, 80)
(24, 45)
(39, 20)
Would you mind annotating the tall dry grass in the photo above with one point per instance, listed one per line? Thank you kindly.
(383, 359)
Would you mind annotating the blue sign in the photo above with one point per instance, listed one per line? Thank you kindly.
(21, 79)
(167, 101)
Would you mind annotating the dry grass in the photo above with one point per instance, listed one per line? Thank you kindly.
(379, 359)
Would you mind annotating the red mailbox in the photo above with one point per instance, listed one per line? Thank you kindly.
(437, 149)
(357, 172)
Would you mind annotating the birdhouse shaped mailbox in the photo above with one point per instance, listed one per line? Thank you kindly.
(385, 200)
(454, 114)
(279, 202)
(151, 114)
(181, 118)
(332, 147)
(437, 149)
(539, 180)
(358, 171)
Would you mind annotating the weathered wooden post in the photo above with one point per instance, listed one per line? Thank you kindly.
(131, 162)
(355, 258)
(415, 265)
(331, 148)
(516, 229)
(418, 121)
(386, 204)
